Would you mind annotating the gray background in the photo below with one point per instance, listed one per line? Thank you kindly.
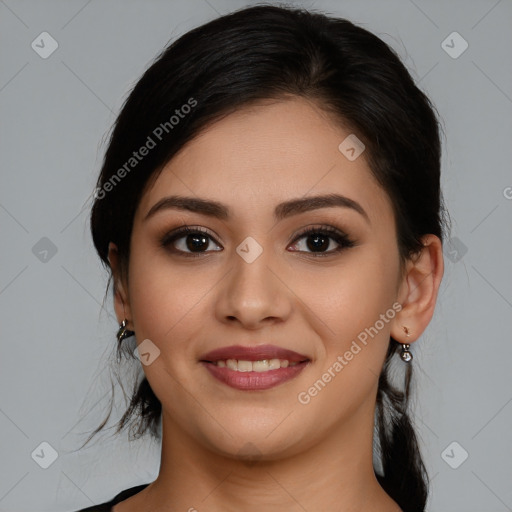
(55, 337)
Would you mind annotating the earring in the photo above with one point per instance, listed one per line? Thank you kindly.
(123, 332)
(405, 354)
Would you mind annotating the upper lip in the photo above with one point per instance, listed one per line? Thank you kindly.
(255, 353)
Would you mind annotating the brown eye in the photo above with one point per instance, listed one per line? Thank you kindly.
(188, 241)
(318, 240)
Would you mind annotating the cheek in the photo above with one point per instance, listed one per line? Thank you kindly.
(167, 300)
(351, 298)
(353, 316)
(356, 304)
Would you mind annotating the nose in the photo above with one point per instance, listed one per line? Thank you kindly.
(254, 292)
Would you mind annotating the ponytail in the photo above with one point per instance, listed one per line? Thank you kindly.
(404, 476)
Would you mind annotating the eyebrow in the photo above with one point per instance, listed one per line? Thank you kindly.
(281, 211)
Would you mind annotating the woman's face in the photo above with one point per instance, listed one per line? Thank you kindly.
(254, 279)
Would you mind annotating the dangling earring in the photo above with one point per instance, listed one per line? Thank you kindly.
(405, 354)
(123, 332)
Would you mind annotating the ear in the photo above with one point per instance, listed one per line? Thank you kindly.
(121, 298)
(418, 291)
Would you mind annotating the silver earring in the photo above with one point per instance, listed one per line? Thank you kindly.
(405, 354)
(123, 332)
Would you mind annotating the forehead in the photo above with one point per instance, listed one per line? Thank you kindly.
(265, 154)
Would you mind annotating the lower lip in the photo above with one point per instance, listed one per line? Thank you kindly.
(251, 381)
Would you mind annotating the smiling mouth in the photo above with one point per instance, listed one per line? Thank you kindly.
(257, 375)
(262, 365)
(251, 368)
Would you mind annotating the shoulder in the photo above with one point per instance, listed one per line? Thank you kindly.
(107, 506)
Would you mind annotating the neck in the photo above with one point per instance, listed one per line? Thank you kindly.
(334, 473)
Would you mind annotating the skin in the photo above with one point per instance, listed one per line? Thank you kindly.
(315, 456)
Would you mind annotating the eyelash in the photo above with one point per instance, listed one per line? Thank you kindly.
(335, 234)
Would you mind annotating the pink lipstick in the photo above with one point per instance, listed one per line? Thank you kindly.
(254, 368)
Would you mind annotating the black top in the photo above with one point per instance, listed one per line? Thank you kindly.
(123, 495)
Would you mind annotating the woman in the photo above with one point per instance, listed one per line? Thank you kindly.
(270, 210)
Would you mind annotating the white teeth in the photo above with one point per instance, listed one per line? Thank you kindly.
(232, 364)
(259, 366)
(263, 365)
(274, 364)
(244, 366)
